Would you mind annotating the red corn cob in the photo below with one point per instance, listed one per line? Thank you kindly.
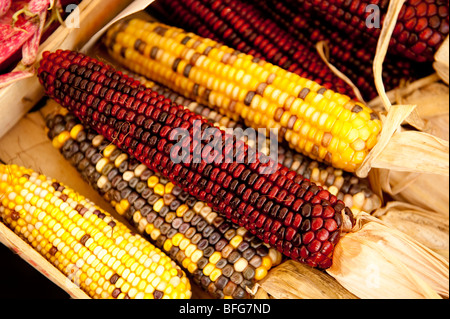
(351, 57)
(300, 219)
(244, 27)
(421, 29)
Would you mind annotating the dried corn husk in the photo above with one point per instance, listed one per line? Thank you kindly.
(441, 64)
(424, 190)
(292, 280)
(376, 261)
(425, 226)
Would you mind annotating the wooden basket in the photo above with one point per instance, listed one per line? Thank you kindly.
(23, 140)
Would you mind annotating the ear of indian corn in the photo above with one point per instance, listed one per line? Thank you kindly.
(355, 192)
(224, 259)
(280, 207)
(84, 242)
(242, 26)
(421, 28)
(351, 57)
(316, 122)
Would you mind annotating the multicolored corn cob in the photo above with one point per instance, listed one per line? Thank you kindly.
(94, 250)
(353, 191)
(224, 259)
(242, 26)
(316, 122)
(422, 25)
(278, 206)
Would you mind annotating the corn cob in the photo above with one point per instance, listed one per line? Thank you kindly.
(278, 206)
(225, 260)
(351, 57)
(316, 122)
(353, 191)
(84, 242)
(421, 29)
(242, 26)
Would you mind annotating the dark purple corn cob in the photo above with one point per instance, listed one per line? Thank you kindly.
(282, 208)
(421, 29)
(353, 58)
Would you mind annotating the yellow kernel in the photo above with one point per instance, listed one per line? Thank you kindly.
(159, 189)
(215, 257)
(215, 274)
(267, 262)
(208, 269)
(260, 273)
(236, 241)
(176, 240)
(158, 205)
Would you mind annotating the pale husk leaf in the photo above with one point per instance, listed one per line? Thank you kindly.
(293, 280)
(378, 262)
(412, 151)
(427, 227)
(431, 100)
(427, 191)
(441, 64)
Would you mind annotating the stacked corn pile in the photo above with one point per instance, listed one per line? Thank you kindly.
(421, 28)
(64, 74)
(286, 34)
(351, 56)
(355, 192)
(280, 207)
(243, 27)
(315, 121)
(224, 259)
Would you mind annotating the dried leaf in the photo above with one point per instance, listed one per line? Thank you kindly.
(293, 280)
(379, 262)
(426, 191)
(442, 65)
(412, 151)
(427, 227)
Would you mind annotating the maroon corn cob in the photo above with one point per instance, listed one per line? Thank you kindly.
(282, 208)
(421, 29)
(244, 27)
(351, 57)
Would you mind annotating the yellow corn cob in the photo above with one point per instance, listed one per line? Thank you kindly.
(94, 250)
(316, 122)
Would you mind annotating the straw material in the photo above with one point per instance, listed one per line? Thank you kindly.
(427, 227)
(292, 280)
(427, 191)
(376, 261)
(442, 61)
